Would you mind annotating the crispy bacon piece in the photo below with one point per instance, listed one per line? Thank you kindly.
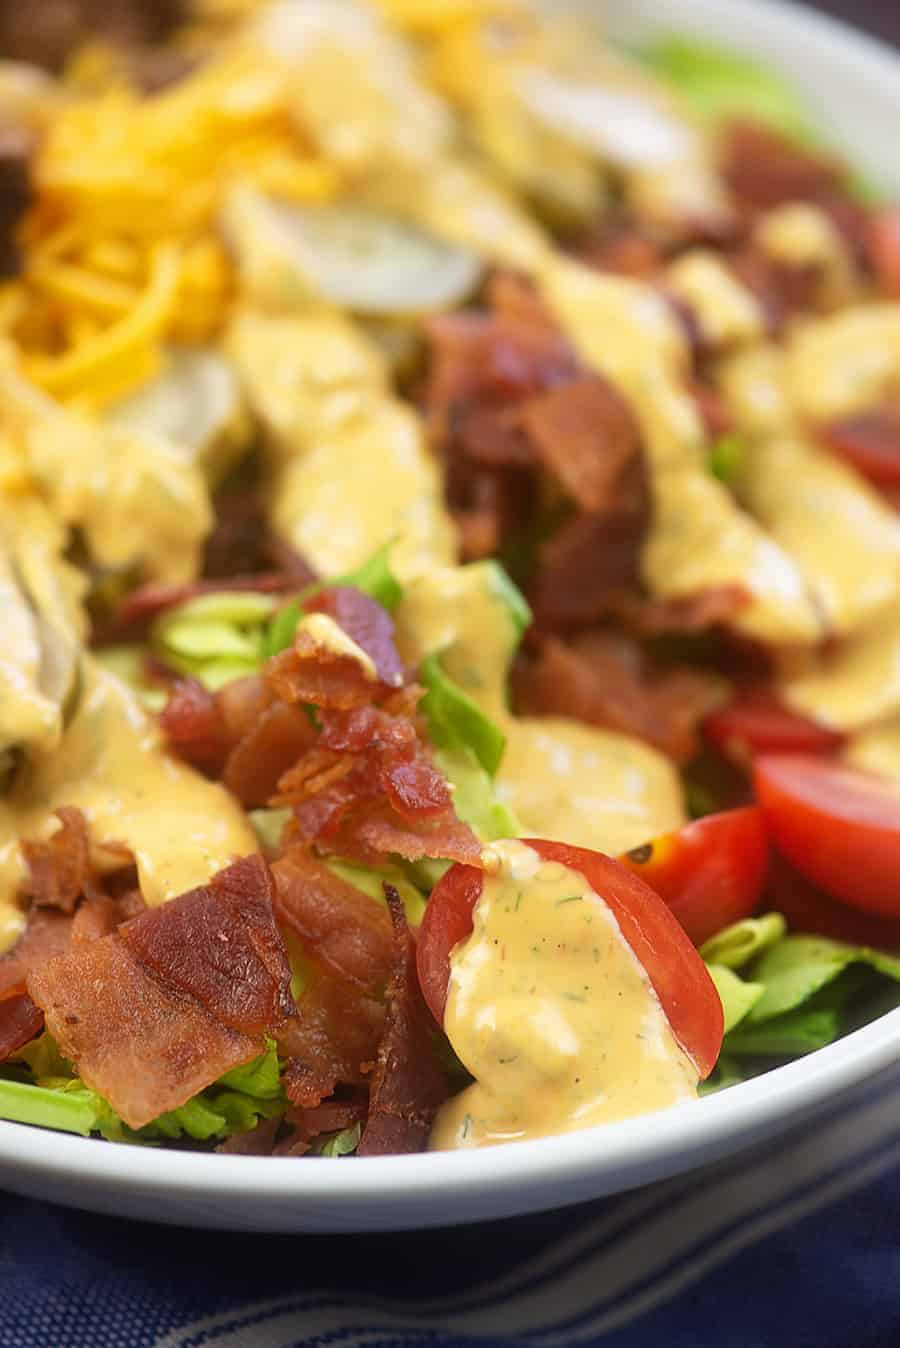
(20, 1021)
(46, 935)
(258, 1141)
(623, 248)
(870, 441)
(765, 169)
(335, 1033)
(331, 1117)
(606, 680)
(59, 870)
(49, 933)
(343, 928)
(590, 558)
(367, 623)
(369, 787)
(587, 436)
(686, 616)
(157, 1011)
(310, 672)
(408, 1084)
(280, 735)
(714, 410)
(192, 722)
(883, 248)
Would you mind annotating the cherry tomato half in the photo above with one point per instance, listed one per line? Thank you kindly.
(756, 722)
(710, 873)
(685, 990)
(809, 909)
(838, 826)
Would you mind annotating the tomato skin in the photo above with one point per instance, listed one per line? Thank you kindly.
(756, 722)
(678, 975)
(840, 827)
(809, 909)
(710, 872)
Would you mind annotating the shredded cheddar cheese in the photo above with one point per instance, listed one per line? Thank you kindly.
(122, 250)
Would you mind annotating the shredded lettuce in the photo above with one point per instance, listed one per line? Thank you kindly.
(738, 998)
(455, 719)
(215, 637)
(726, 458)
(341, 1144)
(798, 967)
(371, 881)
(794, 993)
(738, 944)
(720, 84)
(56, 1098)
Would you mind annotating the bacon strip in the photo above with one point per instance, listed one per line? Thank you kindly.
(20, 1021)
(606, 680)
(587, 436)
(408, 1085)
(344, 929)
(59, 871)
(157, 1011)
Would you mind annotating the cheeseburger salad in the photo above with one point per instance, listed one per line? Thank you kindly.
(449, 576)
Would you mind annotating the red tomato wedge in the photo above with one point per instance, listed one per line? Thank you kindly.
(756, 722)
(809, 909)
(838, 826)
(710, 873)
(684, 988)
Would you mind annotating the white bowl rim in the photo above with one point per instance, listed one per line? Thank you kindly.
(638, 1149)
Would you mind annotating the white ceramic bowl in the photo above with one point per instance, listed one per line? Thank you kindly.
(853, 86)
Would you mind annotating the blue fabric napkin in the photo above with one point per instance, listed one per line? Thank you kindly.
(792, 1244)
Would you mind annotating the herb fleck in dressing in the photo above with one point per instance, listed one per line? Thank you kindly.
(552, 1014)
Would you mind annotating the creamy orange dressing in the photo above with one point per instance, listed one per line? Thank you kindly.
(136, 497)
(111, 764)
(839, 531)
(562, 779)
(801, 236)
(876, 749)
(551, 1012)
(845, 363)
(699, 536)
(855, 684)
(727, 313)
(350, 466)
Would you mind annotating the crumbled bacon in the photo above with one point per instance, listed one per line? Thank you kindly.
(686, 616)
(369, 787)
(621, 246)
(587, 436)
(367, 623)
(588, 559)
(193, 725)
(408, 1084)
(870, 441)
(335, 1032)
(331, 1117)
(765, 169)
(277, 739)
(258, 1141)
(883, 249)
(161, 1008)
(346, 931)
(606, 680)
(20, 1021)
(59, 870)
(46, 935)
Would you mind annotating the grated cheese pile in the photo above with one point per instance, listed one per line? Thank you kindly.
(121, 251)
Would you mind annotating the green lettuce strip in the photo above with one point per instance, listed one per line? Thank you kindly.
(50, 1095)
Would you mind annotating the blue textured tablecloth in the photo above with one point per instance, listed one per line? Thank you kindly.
(795, 1244)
